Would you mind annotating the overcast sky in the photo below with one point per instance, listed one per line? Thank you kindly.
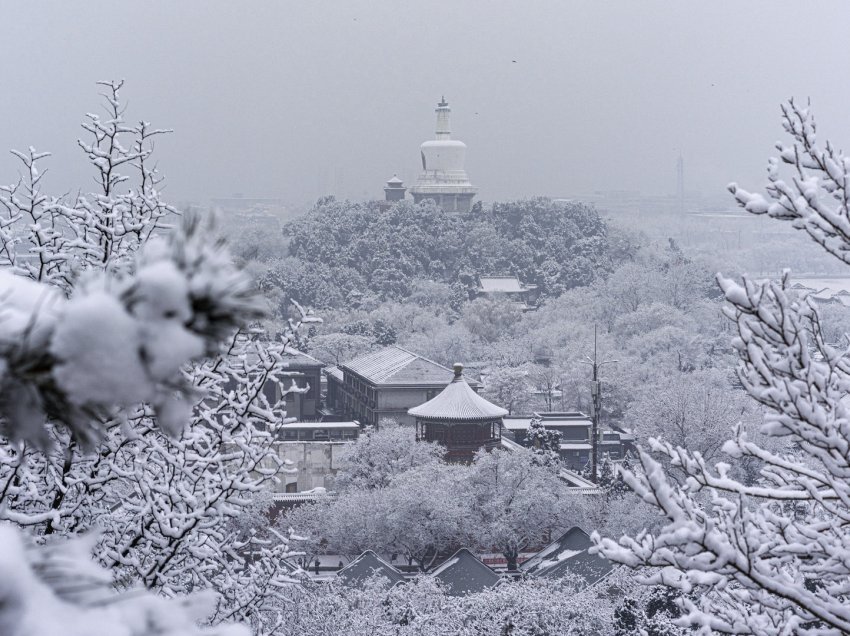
(297, 99)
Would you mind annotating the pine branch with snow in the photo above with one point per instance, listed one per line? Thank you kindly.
(119, 340)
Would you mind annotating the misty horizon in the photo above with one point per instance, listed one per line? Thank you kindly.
(295, 101)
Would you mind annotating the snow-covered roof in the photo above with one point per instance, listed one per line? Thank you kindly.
(458, 402)
(501, 284)
(568, 555)
(510, 445)
(300, 358)
(561, 421)
(829, 289)
(301, 497)
(575, 446)
(559, 418)
(335, 372)
(567, 545)
(517, 423)
(585, 566)
(396, 365)
(577, 481)
(560, 415)
(366, 566)
(318, 425)
(464, 574)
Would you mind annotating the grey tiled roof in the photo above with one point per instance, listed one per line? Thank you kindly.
(458, 402)
(464, 574)
(568, 555)
(396, 365)
(587, 567)
(366, 566)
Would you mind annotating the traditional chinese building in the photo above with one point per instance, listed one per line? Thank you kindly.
(394, 190)
(510, 287)
(459, 419)
(384, 384)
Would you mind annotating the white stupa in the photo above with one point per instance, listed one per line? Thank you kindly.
(443, 178)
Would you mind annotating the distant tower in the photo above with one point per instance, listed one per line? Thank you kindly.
(443, 178)
(680, 183)
(395, 189)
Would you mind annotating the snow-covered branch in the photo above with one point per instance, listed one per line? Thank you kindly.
(769, 557)
(120, 339)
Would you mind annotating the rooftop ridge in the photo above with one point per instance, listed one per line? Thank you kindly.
(382, 365)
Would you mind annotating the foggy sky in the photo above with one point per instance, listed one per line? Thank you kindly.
(298, 99)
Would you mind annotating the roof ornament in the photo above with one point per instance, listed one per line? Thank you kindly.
(443, 103)
(458, 368)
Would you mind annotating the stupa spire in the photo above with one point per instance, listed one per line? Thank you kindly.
(444, 129)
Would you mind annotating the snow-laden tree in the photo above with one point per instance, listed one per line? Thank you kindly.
(769, 557)
(167, 524)
(337, 348)
(119, 340)
(393, 494)
(58, 591)
(512, 502)
(420, 607)
(425, 513)
(398, 495)
(377, 457)
(509, 387)
(544, 444)
(695, 410)
(101, 229)
(134, 400)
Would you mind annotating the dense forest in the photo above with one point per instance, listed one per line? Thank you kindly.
(344, 254)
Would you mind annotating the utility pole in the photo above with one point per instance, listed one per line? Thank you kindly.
(595, 408)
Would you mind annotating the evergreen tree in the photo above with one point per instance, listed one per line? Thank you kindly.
(545, 444)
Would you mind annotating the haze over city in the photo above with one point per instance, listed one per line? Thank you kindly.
(297, 100)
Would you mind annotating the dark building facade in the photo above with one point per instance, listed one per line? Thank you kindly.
(306, 372)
